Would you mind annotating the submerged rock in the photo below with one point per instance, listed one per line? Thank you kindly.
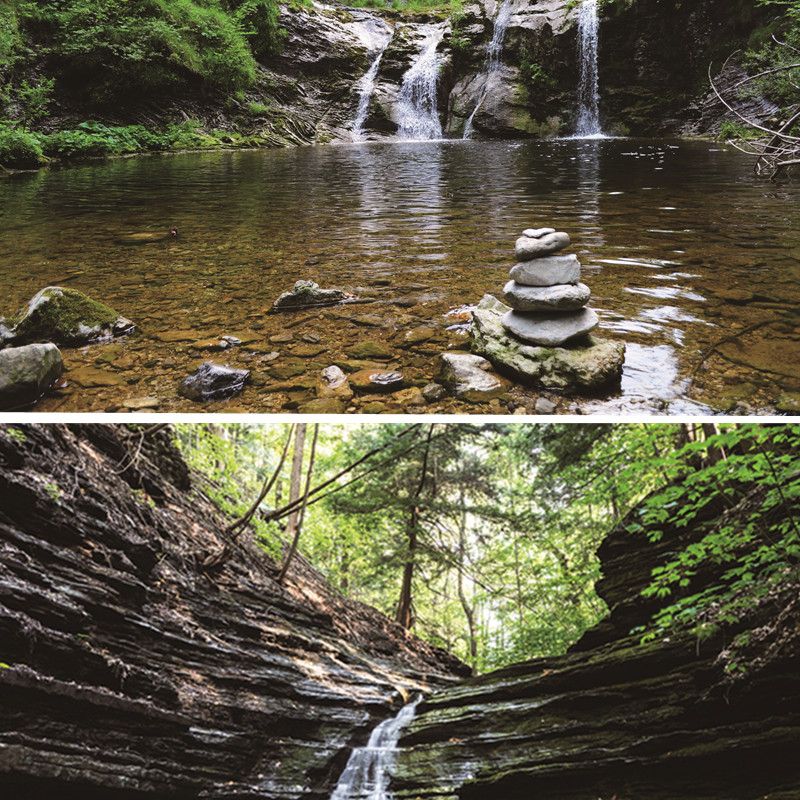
(67, 316)
(377, 380)
(333, 383)
(212, 381)
(26, 373)
(575, 368)
(470, 377)
(308, 293)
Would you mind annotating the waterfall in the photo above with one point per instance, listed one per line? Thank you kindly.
(493, 52)
(417, 115)
(366, 84)
(588, 122)
(366, 777)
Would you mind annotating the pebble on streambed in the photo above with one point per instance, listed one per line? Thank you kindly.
(543, 336)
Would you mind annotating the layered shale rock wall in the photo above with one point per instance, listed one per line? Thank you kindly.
(141, 658)
(617, 718)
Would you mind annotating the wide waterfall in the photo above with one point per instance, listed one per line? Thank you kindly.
(366, 84)
(417, 113)
(588, 120)
(493, 52)
(366, 775)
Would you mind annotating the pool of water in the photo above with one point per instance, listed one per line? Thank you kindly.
(692, 261)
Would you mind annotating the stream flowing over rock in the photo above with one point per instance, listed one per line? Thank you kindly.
(147, 654)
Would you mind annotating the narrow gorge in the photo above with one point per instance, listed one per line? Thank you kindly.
(147, 653)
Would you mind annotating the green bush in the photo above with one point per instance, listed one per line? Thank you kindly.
(20, 149)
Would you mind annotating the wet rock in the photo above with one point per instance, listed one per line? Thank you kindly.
(544, 406)
(26, 373)
(308, 293)
(282, 338)
(469, 377)
(171, 337)
(139, 403)
(93, 378)
(291, 369)
(308, 350)
(67, 316)
(409, 397)
(573, 368)
(323, 405)
(418, 335)
(212, 381)
(376, 380)
(371, 350)
(333, 383)
(543, 243)
(547, 271)
(434, 392)
(553, 329)
(559, 297)
(375, 407)
(6, 334)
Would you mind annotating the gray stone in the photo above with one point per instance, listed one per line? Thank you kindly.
(537, 233)
(26, 373)
(469, 377)
(559, 297)
(528, 247)
(212, 381)
(308, 293)
(553, 329)
(67, 316)
(547, 271)
(544, 406)
(572, 369)
(333, 383)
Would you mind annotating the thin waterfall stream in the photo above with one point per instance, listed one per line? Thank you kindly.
(417, 107)
(493, 52)
(588, 118)
(366, 84)
(366, 776)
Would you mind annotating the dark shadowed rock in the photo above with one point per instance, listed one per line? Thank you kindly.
(26, 373)
(212, 381)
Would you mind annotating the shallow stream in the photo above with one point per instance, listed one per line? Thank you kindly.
(692, 261)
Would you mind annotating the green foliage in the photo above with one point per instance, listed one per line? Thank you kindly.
(35, 98)
(257, 109)
(532, 75)
(748, 553)
(20, 149)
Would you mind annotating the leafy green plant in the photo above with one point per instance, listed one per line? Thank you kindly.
(20, 149)
(35, 98)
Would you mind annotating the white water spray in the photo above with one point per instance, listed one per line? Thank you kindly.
(366, 84)
(493, 52)
(588, 121)
(366, 776)
(417, 113)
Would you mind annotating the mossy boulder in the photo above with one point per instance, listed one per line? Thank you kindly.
(67, 316)
(579, 366)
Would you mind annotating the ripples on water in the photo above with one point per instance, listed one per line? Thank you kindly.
(680, 244)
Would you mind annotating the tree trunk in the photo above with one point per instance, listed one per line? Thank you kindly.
(469, 611)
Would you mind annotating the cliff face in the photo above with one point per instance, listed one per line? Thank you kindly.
(616, 718)
(130, 669)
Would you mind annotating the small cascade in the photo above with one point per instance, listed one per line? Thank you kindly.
(366, 84)
(588, 122)
(417, 113)
(366, 776)
(493, 52)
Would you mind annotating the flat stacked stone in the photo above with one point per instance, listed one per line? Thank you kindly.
(545, 294)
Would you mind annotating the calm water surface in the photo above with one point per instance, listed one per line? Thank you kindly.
(691, 260)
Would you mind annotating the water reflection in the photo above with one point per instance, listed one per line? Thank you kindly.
(688, 256)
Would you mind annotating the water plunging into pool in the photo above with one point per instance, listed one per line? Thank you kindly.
(493, 52)
(366, 775)
(417, 112)
(588, 120)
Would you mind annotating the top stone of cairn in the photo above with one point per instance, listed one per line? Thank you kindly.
(540, 242)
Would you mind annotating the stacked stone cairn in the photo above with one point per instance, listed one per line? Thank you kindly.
(545, 294)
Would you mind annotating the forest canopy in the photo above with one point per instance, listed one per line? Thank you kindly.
(482, 538)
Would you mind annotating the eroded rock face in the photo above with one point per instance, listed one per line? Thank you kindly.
(615, 717)
(145, 654)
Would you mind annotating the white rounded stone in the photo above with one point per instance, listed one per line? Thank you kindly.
(550, 330)
(559, 297)
(547, 271)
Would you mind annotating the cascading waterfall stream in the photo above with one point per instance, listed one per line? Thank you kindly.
(417, 112)
(366, 84)
(366, 775)
(588, 121)
(493, 52)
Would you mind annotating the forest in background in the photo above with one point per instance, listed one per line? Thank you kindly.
(481, 538)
